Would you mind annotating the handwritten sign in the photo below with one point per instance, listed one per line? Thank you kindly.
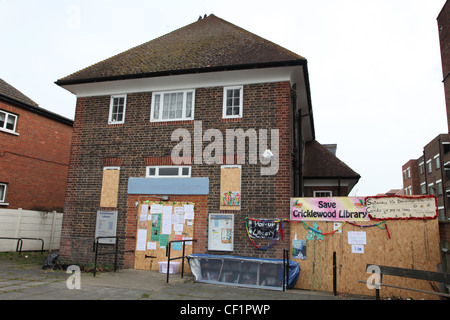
(329, 209)
(263, 229)
(401, 207)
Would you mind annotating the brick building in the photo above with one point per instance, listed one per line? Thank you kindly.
(430, 173)
(34, 153)
(198, 87)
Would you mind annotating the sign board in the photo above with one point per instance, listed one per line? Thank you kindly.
(106, 226)
(401, 207)
(329, 209)
(263, 229)
(221, 232)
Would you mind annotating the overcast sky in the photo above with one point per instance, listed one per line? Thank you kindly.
(374, 66)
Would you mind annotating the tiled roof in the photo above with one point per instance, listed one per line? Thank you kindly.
(10, 92)
(209, 43)
(12, 95)
(321, 163)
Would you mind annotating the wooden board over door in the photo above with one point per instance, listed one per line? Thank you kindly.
(159, 223)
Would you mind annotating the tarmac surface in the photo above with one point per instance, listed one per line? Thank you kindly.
(33, 283)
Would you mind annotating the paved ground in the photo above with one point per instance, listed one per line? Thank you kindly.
(33, 283)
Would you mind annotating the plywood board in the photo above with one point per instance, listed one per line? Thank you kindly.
(154, 233)
(412, 244)
(230, 182)
(110, 188)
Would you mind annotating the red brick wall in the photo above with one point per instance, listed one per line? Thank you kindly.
(35, 162)
(139, 143)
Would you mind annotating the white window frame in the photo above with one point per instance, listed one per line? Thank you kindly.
(421, 168)
(423, 188)
(241, 103)
(157, 175)
(7, 115)
(315, 193)
(429, 166)
(439, 188)
(2, 199)
(437, 161)
(161, 103)
(111, 105)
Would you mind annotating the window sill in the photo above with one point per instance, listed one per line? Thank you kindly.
(167, 122)
(4, 204)
(9, 131)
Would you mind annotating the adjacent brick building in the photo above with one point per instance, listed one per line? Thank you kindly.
(430, 173)
(196, 85)
(34, 153)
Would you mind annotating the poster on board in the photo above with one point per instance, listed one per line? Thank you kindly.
(402, 207)
(221, 232)
(106, 226)
(329, 209)
(263, 229)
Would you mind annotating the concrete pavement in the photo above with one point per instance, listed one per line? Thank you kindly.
(19, 283)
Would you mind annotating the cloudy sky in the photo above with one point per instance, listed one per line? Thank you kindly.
(374, 66)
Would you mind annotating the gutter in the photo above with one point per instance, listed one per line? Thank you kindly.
(37, 110)
(299, 62)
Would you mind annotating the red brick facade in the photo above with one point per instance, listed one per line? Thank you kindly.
(139, 143)
(34, 162)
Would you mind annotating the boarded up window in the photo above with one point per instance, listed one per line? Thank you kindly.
(230, 188)
(110, 187)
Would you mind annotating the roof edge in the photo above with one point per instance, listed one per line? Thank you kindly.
(37, 110)
(272, 64)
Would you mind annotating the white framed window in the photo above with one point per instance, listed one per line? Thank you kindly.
(437, 161)
(429, 168)
(117, 109)
(423, 188)
(172, 106)
(3, 187)
(439, 189)
(168, 172)
(8, 121)
(421, 168)
(232, 102)
(322, 194)
(431, 189)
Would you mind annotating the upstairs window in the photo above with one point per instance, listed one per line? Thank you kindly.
(2, 192)
(172, 106)
(232, 102)
(8, 121)
(117, 109)
(168, 172)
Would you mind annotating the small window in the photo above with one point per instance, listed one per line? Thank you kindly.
(232, 102)
(423, 188)
(439, 187)
(8, 121)
(117, 109)
(421, 168)
(322, 194)
(172, 106)
(2, 192)
(437, 161)
(429, 168)
(168, 172)
(431, 189)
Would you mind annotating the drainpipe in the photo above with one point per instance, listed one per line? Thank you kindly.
(443, 179)
(295, 157)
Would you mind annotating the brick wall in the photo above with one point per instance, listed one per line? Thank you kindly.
(34, 163)
(139, 143)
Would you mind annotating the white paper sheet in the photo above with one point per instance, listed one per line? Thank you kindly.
(141, 240)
